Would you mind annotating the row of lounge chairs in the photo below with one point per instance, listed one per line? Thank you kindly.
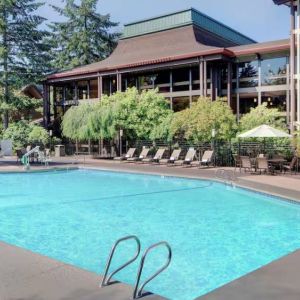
(174, 159)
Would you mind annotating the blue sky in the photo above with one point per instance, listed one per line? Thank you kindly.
(259, 19)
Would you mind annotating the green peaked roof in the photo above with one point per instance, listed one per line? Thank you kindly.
(182, 18)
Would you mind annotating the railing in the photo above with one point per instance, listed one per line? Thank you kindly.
(138, 292)
(138, 289)
(228, 176)
(25, 158)
(106, 278)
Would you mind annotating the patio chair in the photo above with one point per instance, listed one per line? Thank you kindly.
(143, 154)
(171, 160)
(292, 166)
(158, 155)
(246, 164)
(237, 162)
(129, 154)
(188, 158)
(263, 165)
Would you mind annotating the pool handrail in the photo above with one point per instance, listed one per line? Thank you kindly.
(105, 281)
(138, 292)
(228, 176)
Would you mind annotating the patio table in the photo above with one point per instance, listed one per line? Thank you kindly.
(277, 162)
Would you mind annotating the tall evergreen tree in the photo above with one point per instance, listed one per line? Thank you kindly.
(84, 37)
(23, 52)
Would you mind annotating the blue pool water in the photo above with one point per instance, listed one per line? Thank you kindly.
(217, 233)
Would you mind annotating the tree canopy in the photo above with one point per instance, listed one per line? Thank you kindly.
(24, 54)
(84, 37)
(262, 115)
(197, 122)
(137, 114)
(76, 122)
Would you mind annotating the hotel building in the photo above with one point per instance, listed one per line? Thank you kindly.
(184, 55)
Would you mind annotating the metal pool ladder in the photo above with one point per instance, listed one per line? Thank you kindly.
(228, 176)
(138, 292)
(106, 279)
(138, 288)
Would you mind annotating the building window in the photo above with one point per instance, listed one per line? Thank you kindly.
(113, 82)
(273, 71)
(59, 94)
(94, 89)
(70, 91)
(162, 81)
(180, 103)
(248, 74)
(82, 89)
(195, 78)
(247, 102)
(181, 79)
(277, 100)
(109, 85)
(147, 81)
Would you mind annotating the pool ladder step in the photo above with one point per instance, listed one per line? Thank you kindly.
(227, 176)
(138, 288)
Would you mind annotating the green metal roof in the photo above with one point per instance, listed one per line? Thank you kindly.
(182, 18)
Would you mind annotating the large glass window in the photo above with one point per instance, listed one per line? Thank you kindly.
(224, 75)
(248, 74)
(195, 77)
(82, 90)
(273, 71)
(59, 94)
(247, 102)
(162, 81)
(147, 81)
(106, 86)
(94, 89)
(70, 91)
(181, 79)
(109, 85)
(275, 100)
(180, 103)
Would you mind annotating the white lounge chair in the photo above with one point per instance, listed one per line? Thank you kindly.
(207, 158)
(129, 154)
(158, 155)
(172, 159)
(142, 155)
(188, 158)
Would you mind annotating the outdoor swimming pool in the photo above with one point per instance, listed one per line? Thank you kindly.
(217, 233)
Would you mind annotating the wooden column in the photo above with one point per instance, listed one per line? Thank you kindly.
(46, 106)
(292, 66)
(119, 82)
(190, 85)
(201, 76)
(229, 83)
(88, 89)
(213, 85)
(171, 89)
(100, 87)
(205, 79)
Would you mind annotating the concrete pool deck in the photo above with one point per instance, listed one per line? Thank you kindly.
(29, 276)
(25, 275)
